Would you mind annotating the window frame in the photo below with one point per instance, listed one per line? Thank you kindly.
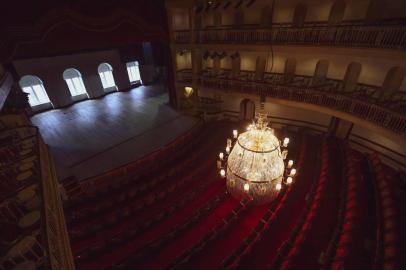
(133, 71)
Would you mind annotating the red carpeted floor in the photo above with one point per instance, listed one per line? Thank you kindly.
(228, 241)
(178, 217)
(191, 237)
(264, 253)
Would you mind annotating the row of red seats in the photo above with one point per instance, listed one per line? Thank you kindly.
(215, 232)
(389, 244)
(154, 245)
(247, 245)
(264, 252)
(134, 211)
(128, 235)
(138, 247)
(292, 247)
(318, 228)
(287, 244)
(346, 249)
(111, 257)
(150, 163)
(165, 164)
(135, 190)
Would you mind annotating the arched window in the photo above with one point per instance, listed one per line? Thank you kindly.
(74, 81)
(106, 75)
(33, 86)
(133, 72)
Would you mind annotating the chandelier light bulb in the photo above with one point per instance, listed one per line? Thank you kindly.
(293, 172)
(235, 133)
(246, 187)
(218, 164)
(221, 156)
(289, 180)
(228, 149)
(285, 142)
(278, 186)
(222, 173)
(290, 164)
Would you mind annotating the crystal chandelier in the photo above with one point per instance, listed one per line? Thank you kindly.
(254, 163)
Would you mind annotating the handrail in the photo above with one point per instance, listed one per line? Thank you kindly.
(58, 249)
(390, 36)
(371, 94)
(335, 98)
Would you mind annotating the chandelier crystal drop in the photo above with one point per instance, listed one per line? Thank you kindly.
(254, 163)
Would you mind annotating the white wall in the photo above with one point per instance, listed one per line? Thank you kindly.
(50, 69)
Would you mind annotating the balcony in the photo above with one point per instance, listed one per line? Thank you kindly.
(350, 34)
(31, 206)
(364, 101)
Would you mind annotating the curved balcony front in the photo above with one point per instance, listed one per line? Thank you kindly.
(391, 35)
(364, 101)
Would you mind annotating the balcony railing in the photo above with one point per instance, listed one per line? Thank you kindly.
(184, 76)
(343, 35)
(30, 201)
(364, 101)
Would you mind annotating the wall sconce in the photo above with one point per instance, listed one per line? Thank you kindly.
(188, 91)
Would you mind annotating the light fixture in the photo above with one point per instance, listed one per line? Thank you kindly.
(221, 155)
(222, 173)
(188, 91)
(255, 164)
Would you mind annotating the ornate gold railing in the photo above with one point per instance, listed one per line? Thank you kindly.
(391, 36)
(361, 102)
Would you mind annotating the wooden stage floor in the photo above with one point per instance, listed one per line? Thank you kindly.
(95, 136)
